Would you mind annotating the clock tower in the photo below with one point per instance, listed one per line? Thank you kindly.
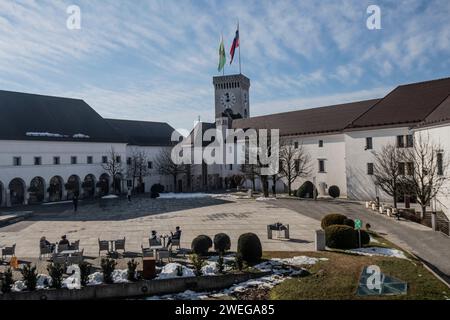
(231, 96)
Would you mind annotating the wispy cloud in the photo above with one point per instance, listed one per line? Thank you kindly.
(154, 59)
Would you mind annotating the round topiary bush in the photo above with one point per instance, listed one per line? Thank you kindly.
(201, 244)
(333, 219)
(365, 237)
(350, 223)
(222, 242)
(341, 237)
(249, 247)
(334, 191)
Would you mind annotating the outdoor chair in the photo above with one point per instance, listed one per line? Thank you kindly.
(103, 245)
(164, 254)
(154, 243)
(59, 258)
(176, 243)
(119, 244)
(76, 258)
(75, 245)
(63, 247)
(147, 252)
(9, 251)
(44, 251)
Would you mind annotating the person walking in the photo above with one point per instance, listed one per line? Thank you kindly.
(75, 203)
(129, 195)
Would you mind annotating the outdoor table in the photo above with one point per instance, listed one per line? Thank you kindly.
(69, 252)
(279, 227)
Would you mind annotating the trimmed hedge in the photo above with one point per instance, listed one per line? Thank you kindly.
(201, 244)
(334, 191)
(341, 237)
(333, 219)
(349, 222)
(249, 247)
(222, 242)
(365, 237)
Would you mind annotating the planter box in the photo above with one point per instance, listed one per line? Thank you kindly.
(137, 289)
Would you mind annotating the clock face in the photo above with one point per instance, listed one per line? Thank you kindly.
(228, 99)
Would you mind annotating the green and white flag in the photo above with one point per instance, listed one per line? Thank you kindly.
(222, 56)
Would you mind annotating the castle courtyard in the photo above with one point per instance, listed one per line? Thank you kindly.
(116, 219)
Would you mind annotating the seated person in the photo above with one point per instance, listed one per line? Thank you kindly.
(64, 241)
(44, 243)
(154, 236)
(175, 235)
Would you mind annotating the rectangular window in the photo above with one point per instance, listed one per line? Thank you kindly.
(296, 145)
(370, 169)
(440, 164)
(410, 168)
(73, 160)
(37, 161)
(118, 159)
(401, 168)
(231, 167)
(90, 160)
(400, 141)
(17, 161)
(104, 159)
(129, 161)
(297, 165)
(409, 141)
(150, 165)
(320, 143)
(321, 165)
(56, 160)
(369, 143)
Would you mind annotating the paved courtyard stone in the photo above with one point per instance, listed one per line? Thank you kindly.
(115, 219)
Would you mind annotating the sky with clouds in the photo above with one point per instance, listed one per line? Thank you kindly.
(154, 60)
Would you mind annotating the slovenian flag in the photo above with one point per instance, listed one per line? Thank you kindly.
(234, 45)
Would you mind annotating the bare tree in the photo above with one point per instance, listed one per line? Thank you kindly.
(137, 167)
(250, 171)
(113, 166)
(387, 173)
(166, 166)
(294, 163)
(429, 170)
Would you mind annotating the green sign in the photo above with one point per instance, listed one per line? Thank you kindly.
(358, 224)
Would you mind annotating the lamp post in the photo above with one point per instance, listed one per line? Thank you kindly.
(433, 213)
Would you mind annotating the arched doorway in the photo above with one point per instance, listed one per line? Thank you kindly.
(2, 191)
(103, 184)
(306, 190)
(117, 184)
(36, 190)
(88, 186)
(55, 189)
(73, 186)
(17, 191)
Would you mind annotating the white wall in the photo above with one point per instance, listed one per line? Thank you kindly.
(361, 185)
(27, 150)
(440, 135)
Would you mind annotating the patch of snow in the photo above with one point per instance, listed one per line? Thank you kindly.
(72, 283)
(377, 251)
(18, 286)
(110, 196)
(171, 195)
(120, 276)
(46, 134)
(43, 281)
(265, 199)
(210, 269)
(95, 279)
(80, 136)
(170, 270)
(373, 240)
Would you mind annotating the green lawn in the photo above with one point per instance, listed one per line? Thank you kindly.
(338, 278)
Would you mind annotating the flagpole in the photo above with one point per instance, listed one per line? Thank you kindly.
(223, 69)
(240, 71)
